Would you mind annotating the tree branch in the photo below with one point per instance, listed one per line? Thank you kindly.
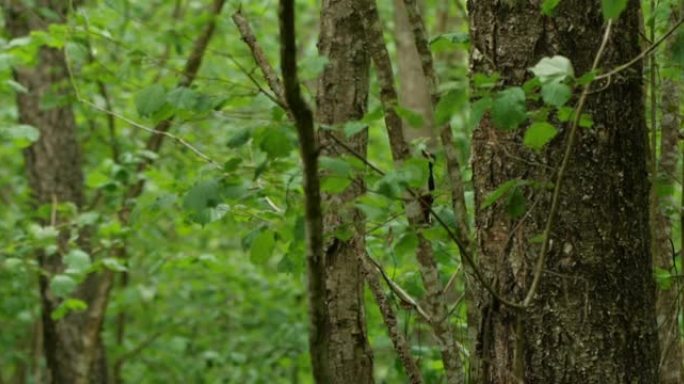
(308, 146)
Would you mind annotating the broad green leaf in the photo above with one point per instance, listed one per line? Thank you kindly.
(335, 184)
(276, 143)
(232, 165)
(262, 247)
(335, 166)
(351, 128)
(678, 49)
(183, 98)
(556, 93)
(516, 205)
(201, 199)
(150, 100)
(548, 6)
(565, 113)
(407, 245)
(413, 118)
(239, 138)
(612, 8)
(500, 191)
(586, 121)
(21, 135)
(18, 87)
(485, 81)
(478, 109)
(414, 172)
(114, 264)
(663, 278)
(508, 110)
(553, 68)
(449, 104)
(67, 306)
(538, 134)
(77, 261)
(62, 285)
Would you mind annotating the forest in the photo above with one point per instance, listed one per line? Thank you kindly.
(341, 191)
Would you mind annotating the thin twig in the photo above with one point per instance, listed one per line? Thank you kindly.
(641, 55)
(401, 294)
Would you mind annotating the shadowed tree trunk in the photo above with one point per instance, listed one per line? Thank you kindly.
(593, 317)
(342, 97)
(671, 369)
(74, 353)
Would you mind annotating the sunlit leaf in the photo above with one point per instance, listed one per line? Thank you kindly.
(539, 134)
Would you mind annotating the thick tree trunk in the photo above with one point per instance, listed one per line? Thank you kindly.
(55, 176)
(593, 318)
(671, 369)
(342, 97)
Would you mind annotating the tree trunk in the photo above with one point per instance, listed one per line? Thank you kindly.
(55, 176)
(414, 92)
(671, 369)
(592, 320)
(342, 97)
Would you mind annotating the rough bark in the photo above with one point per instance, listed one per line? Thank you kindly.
(342, 97)
(592, 320)
(671, 369)
(55, 176)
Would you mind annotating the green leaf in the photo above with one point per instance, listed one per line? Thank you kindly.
(612, 8)
(413, 118)
(335, 166)
(239, 138)
(114, 264)
(201, 199)
(502, 190)
(516, 205)
(351, 128)
(564, 114)
(232, 164)
(68, 305)
(77, 261)
(21, 135)
(150, 100)
(586, 120)
(478, 109)
(276, 143)
(448, 104)
(413, 172)
(538, 134)
(407, 245)
(16, 86)
(508, 110)
(663, 278)
(553, 69)
(62, 285)
(183, 98)
(548, 6)
(335, 184)
(556, 93)
(262, 247)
